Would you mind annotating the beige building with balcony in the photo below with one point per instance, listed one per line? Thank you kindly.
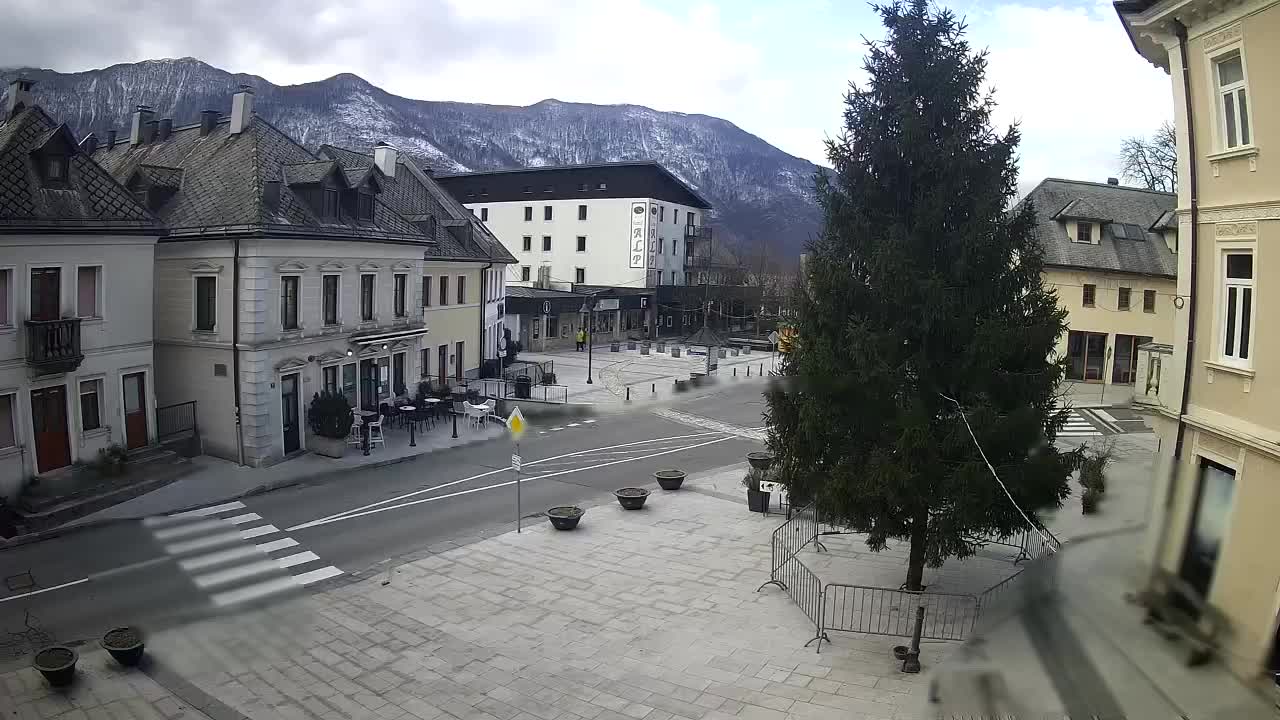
(76, 253)
(1110, 252)
(1213, 397)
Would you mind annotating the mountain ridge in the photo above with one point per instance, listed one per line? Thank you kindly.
(763, 196)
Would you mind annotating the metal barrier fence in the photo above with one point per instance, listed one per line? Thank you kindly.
(884, 611)
(502, 389)
(175, 419)
(1031, 544)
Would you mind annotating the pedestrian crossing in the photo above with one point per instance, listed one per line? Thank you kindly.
(559, 428)
(1077, 425)
(234, 555)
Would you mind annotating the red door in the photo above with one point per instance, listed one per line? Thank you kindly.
(49, 423)
(135, 410)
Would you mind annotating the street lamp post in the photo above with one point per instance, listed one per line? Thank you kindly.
(589, 307)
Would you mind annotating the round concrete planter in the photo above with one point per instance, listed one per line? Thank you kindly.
(760, 460)
(565, 517)
(631, 344)
(614, 347)
(57, 663)
(675, 352)
(125, 645)
(631, 498)
(670, 479)
(662, 347)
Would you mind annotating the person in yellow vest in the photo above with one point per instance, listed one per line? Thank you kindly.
(582, 339)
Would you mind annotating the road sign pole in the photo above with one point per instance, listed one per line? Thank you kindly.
(516, 465)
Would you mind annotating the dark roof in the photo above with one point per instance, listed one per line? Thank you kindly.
(1081, 209)
(704, 336)
(308, 173)
(1129, 210)
(415, 196)
(157, 176)
(520, 291)
(1168, 220)
(639, 178)
(90, 201)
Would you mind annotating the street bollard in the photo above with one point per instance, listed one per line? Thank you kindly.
(735, 372)
(455, 425)
(653, 387)
(761, 373)
(387, 579)
(364, 437)
(748, 371)
(412, 425)
(628, 393)
(911, 663)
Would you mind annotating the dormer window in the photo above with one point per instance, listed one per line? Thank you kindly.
(330, 207)
(364, 206)
(1084, 232)
(56, 168)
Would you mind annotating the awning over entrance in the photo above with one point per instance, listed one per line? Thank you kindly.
(383, 337)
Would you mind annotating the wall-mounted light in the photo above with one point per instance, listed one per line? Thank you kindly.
(348, 352)
(384, 346)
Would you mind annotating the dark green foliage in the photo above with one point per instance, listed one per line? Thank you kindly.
(329, 415)
(920, 285)
(1089, 501)
(1093, 466)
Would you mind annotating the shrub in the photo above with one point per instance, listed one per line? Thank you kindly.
(329, 415)
(754, 477)
(110, 462)
(1093, 468)
(1089, 501)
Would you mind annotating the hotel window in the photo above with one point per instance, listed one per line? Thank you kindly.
(330, 384)
(546, 243)
(546, 212)
(426, 291)
(580, 275)
(661, 244)
(424, 363)
(401, 289)
(289, 302)
(366, 297)
(8, 433)
(675, 216)
(1084, 232)
(528, 213)
(1149, 301)
(206, 303)
(364, 206)
(484, 214)
(662, 213)
(524, 273)
(1237, 306)
(329, 299)
(1233, 104)
(330, 204)
(88, 289)
(1089, 295)
(582, 212)
(6, 290)
(582, 243)
(90, 413)
(444, 290)
(526, 243)
(1123, 297)
(462, 289)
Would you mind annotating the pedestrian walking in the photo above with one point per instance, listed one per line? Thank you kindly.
(582, 339)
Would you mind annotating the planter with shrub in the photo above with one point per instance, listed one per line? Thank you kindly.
(565, 517)
(125, 645)
(330, 420)
(57, 663)
(110, 462)
(1089, 501)
(757, 499)
(670, 479)
(631, 498)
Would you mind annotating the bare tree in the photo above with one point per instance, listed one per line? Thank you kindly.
(1151, 162)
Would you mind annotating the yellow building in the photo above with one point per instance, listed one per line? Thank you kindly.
(1110, 252)
(1215, 403)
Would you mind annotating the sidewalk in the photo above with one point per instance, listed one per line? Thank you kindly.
(215, 480)
(1094, 395)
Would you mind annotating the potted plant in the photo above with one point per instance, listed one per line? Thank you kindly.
(670, 479)
(57, 663)
(760, 459)
(549, 378)
(1089, 501)
(644, 348)
(110, 462)
(631, 344)
(330, 419)
(662, 346)
(631, 498)
(565, 517)
(125, 645)
(614, 346)
(675, 351)
(757, 499)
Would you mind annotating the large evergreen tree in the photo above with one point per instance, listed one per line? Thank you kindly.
(923, 286)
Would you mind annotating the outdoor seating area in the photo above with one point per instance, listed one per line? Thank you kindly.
(404, 416)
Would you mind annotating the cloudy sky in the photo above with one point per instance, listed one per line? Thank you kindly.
(776, 68)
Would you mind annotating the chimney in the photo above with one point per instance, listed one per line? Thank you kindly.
(150, 130)
(384, 156)
(19, 96)
(89, 144)
(166, 129)
(241, 109)
(141, 117)
(208, 121)
(111, 139)
(1113, 181)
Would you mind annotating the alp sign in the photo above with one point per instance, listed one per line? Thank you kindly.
(639, 233)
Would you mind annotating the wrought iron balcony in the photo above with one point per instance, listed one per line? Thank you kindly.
(697, 232)
(53, 346)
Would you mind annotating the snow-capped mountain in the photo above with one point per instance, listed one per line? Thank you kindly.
(761, 194)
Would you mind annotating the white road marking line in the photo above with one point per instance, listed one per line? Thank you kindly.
(254, 592)
(44, 590)
(194, 528)
(242, 519)
(352, 516)
(274, 545)
(205, 543)
(574, 424)
(298, 559)
(201, 562)
(556, 429)
(259, 531)
(588, 421)
(1081, 434)
(316, 576)
(495, 472)
(198, 512)
(1105, 415)
(235, 574)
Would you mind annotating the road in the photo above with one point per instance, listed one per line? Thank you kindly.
(160, 571)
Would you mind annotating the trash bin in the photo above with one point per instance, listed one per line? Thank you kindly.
(524, 387)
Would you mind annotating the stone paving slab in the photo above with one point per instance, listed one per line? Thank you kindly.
(648, 615)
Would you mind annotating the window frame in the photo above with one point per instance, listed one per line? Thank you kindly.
(364, 205)
(582, 243)
(1148, 301)
(330, 204)
(372, 315)
(484, 214)
(1089, 295)
(9, 273)
(526, 243)
(400, 295)
(297, 301)
(443, 290)
(546, 243)
(528, 213)
(1243, 121)
(580, 275)
(426, 290)
(547, 213)
(526, 272)
(336, 369)
(1124, 298)
(14, 421)
(1225, 284)
(97, 384)
(195, 304)
(98, 292)
(462, 290)
(337, 299)
(1084, 224)
(582, 212)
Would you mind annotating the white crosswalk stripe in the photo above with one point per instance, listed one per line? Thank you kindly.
(236, 555)
(1076, 425)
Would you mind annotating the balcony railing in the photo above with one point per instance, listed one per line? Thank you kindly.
(697, 232)
(53, 346)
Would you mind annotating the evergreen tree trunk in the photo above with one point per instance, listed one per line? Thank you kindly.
(915, 561)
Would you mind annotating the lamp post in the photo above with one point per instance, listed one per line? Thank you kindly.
(589, 307)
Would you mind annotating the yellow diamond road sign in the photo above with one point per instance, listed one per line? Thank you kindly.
(516, 422)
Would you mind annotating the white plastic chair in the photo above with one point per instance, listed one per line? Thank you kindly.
(491, 407)
(375, 433)
(353, 437)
